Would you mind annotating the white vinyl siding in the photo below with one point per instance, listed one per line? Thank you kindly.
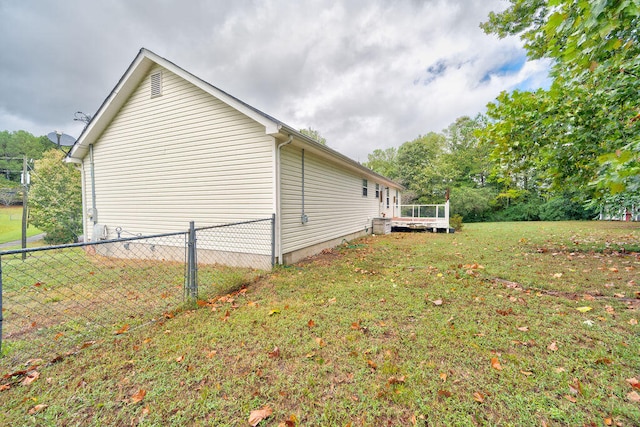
(183, 156)
(333, 201)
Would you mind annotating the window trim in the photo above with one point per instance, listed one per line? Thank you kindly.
(365, 187)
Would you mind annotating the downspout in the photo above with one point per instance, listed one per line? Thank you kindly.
(303, 218)
(279, 199)
(94, 211)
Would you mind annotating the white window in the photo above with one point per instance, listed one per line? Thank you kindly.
(387, 197)
(377, 190)
(365, 188)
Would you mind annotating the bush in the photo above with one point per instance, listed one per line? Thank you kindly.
(456, 222)
(563, 208)
(59, 236)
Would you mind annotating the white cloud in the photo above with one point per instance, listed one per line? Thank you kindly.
(357, 71)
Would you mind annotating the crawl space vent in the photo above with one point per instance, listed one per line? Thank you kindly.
(156, 84)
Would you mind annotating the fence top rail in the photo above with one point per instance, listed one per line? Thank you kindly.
(83, 244)
(419, 206)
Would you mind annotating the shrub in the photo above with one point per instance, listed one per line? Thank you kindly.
(455, 221)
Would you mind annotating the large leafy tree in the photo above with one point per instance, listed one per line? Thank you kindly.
(586, 128)
(55, 198)
(385, 162)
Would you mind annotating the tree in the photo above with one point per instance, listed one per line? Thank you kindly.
(55, 198)
(384, 162)
(314, 134)
(589, 118)
(421, 167)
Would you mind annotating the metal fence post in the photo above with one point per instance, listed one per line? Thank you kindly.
(1, 318)
(273, 240)
(192, 265)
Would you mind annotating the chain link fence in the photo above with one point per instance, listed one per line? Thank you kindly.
(57, 300)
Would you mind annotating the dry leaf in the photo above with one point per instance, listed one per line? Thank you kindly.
(557, 275)
(559, 370)
(179, 359)
(320, 342)
(37, 408)
(523, 329)
(633, 321)
(634, 396)
(226, 316)
(553, 346)
(526, 373)
(274, 311)
(122, 330)
(495, 363)
(633, 382)
(608, 422)
(583, 309)
(211, 354)
(355, 325)
(588, 297)
(437, 302)
(4, 387)
(443, 377)
(311, 323)
(396, 380)
(258, 415)
(478, 397)
(30, 377)
(372, 364)
(444, 393)
(275, 353)
(570, 398)
(138, 396)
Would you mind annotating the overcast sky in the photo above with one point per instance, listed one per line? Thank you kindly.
(366, 74)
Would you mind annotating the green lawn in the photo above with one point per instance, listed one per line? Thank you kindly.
(510, 324)
(11, 224)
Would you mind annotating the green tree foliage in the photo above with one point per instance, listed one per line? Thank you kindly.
(55, 198)
(586, 128)
(14, 146)
(385, 162)
(421, 167)
(314, 134)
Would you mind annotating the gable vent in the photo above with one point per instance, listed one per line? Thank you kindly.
(156, 84)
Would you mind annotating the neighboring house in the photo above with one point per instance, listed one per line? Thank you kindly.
(166, 148)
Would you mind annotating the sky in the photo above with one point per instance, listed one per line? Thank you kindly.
(366, 74)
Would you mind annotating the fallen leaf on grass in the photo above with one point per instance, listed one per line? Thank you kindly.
(437, 302)
(372, 364)
(4, 387)
(396, 380)
(478, 397)
(633, 382)
(557, 275)
(258, 415)
(311, 323)
(588, 297)
(37, 408)
(275, 353)
(495, 363)
(523, 329)
(526, 373)
(444, 393)
(179, 359)
(634, 396)
(553, 346)
(122, 330)
(211, 354)
(443, 377)
(226, 316)
(570, 398)
(583, 309)
(30, 377)
(609, 309)
(505, 312)
(633, 321)
(320, 342)
(604, 361)
(274, 311)
(608, 422)
(355, 325)
(138, 396)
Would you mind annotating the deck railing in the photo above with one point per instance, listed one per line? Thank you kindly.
(431, 216)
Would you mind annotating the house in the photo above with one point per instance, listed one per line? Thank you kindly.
(166, 148)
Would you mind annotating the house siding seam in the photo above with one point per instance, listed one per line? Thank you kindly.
(151, 173)
(333, 201)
